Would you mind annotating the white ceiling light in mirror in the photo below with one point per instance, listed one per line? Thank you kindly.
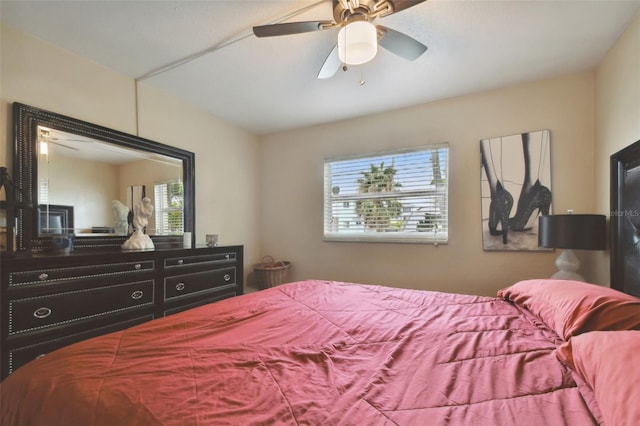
(43, 139)
(357, 43)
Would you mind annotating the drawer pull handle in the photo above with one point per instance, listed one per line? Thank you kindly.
(42, 313)
(180, 286)
(227, 257)
(138, 266)
(180, 262)
(136, 295)
(43, 276)
(227, 277)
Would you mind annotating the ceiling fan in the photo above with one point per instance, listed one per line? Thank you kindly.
(358, 38)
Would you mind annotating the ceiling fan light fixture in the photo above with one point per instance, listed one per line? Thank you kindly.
(357, 43)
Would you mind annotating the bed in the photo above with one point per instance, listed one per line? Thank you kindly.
(543, 352)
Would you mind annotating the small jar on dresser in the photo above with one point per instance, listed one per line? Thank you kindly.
(47, 302)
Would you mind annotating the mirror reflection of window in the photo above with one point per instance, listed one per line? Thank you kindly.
(44, 190)
(169, 208)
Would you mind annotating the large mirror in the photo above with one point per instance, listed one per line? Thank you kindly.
(84, 179)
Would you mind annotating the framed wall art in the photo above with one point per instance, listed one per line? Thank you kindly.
(625, 219)
(516, 188)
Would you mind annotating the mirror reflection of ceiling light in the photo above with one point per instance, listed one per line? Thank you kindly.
(357, 43)
(44, 148)
(44, 141)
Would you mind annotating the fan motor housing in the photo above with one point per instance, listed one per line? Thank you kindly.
(345, 11)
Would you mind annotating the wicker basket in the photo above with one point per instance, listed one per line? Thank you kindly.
(270, 273)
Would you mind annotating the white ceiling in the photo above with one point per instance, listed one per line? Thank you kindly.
(269, 84)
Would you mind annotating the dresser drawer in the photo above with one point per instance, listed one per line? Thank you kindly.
(177, 262)
(198, 282)
(36, 313)
(77, 273)
(20, 355)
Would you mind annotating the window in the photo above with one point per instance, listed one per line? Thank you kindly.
(43, 191)
(395, 196)
(169, 211)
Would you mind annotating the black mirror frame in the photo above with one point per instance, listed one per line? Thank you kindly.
(26, 119)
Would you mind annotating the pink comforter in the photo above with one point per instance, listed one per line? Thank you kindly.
(316, 353)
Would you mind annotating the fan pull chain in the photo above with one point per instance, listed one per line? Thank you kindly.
(362, 81)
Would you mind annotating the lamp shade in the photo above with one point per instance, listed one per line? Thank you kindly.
(573, 231)
(357, 42)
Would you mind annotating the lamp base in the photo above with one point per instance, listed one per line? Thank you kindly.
(568, 265)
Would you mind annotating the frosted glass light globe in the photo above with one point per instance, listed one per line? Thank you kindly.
(357, 43)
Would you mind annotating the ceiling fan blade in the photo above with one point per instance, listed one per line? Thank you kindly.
(290, 28)
(331, 64)
(400, 44)
(54, 140)
(64, 146)
(399, 5)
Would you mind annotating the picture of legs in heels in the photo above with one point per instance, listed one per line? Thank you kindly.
(534, 197)
(514, 166)
(501, 200)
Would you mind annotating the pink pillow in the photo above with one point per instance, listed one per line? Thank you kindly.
(573, 307)
(606, 361)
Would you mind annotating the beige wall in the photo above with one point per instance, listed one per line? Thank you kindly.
(71, 182)
(39, 74)
(292, 186)
(617, 123)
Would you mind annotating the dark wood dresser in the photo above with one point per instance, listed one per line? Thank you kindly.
(47, 302)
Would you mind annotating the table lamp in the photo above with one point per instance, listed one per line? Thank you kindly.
(571, 232)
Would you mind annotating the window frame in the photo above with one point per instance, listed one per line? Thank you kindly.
(404, 236)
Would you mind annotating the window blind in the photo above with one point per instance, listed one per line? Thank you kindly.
(169, 212)
(43, 191)
(394, 196)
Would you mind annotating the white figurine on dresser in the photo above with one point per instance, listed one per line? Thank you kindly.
(141, 213)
